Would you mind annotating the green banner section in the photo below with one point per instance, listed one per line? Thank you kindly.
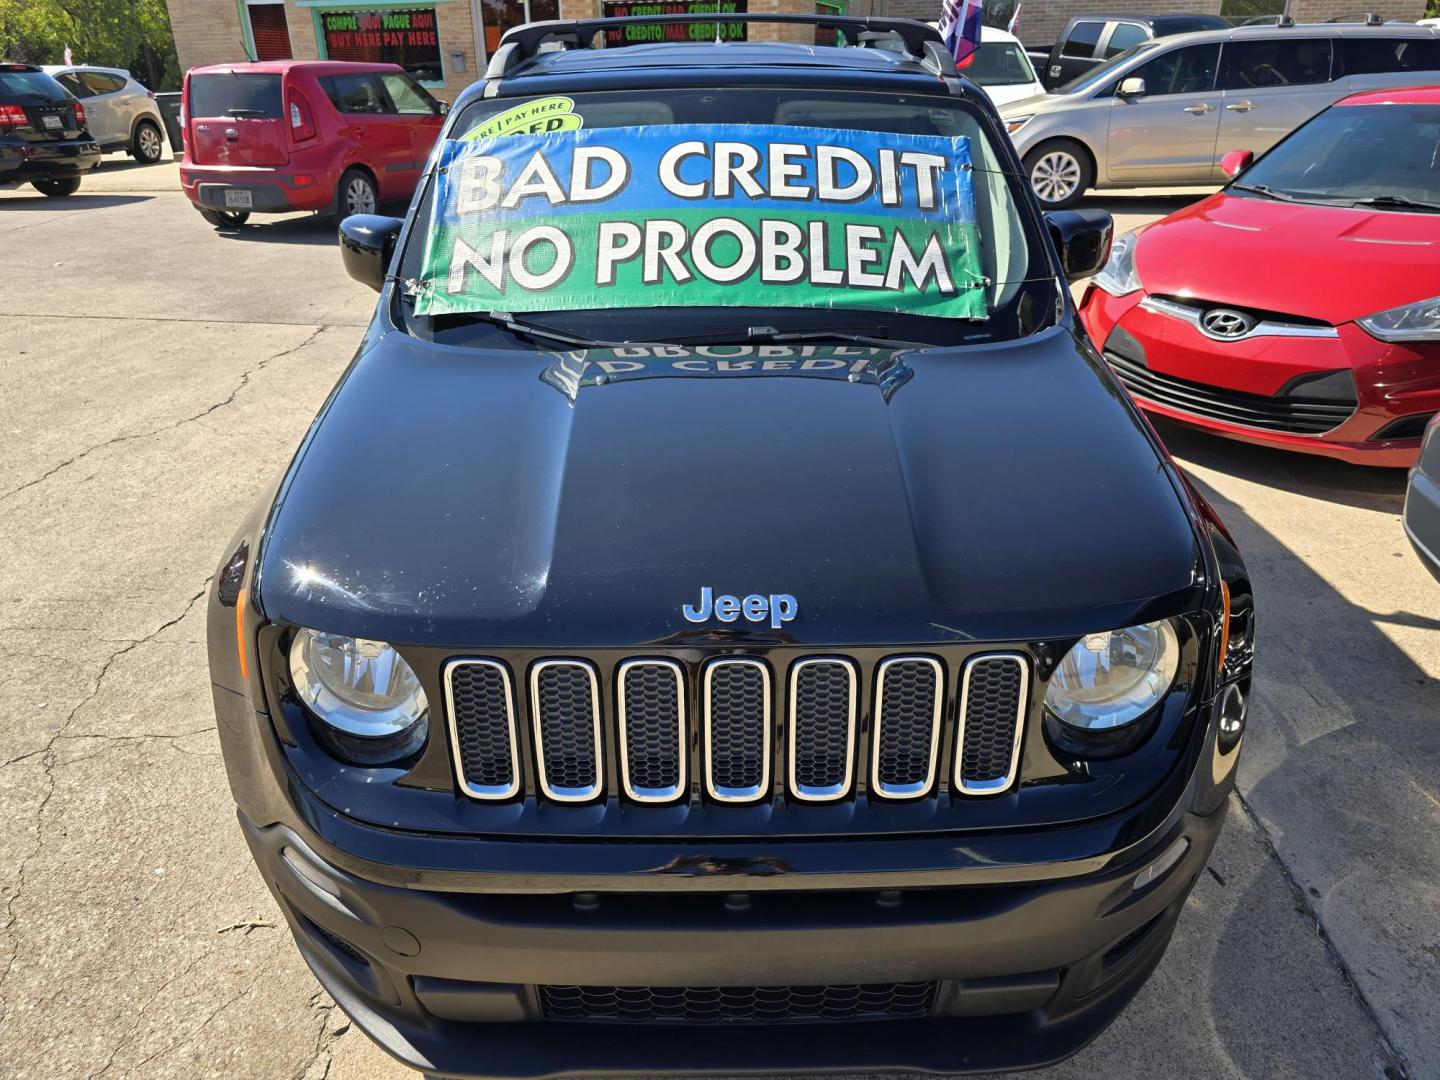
(701, 258)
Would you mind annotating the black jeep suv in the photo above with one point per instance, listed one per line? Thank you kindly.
(43, 138)
(727, 619)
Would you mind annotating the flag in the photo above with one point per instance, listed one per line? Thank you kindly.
(69, 57)
(1014, 22)
(960, 27)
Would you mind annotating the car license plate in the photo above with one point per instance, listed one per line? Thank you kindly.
(52, 122)
(239, 199)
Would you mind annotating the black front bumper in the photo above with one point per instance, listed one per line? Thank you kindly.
(1026, 973)
(22, 161)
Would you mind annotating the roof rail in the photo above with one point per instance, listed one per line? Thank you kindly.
(918, 41)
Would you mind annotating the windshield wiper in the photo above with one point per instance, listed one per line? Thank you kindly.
(1398, 202)
(1267, 191)
(515, 326)
(775, 336)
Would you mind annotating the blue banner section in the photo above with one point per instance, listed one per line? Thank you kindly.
(648, 170)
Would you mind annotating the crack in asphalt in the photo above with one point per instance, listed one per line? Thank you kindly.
(1396, 1068)
(325, 1038)
(245, 377)
(47, 756)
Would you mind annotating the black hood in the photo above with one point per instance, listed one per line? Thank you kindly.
(463, 497)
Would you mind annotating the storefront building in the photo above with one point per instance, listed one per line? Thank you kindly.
(443, 43)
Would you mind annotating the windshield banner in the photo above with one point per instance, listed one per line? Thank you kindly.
(704, 216)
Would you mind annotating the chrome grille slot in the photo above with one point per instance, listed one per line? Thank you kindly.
(481, 705)
(737, 729)
(993, 695)
(565, 705)
(822, 729)
(652, 729)
(909, 691)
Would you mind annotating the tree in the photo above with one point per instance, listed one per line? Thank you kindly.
(133, 34)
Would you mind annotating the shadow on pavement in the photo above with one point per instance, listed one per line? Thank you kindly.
(30, 199)
(1341, 758)
(311, 229)
(1360, 486)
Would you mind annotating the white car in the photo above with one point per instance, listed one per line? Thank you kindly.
(1001, 68)
(120, 113)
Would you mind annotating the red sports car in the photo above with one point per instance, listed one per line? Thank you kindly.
(1300, 306)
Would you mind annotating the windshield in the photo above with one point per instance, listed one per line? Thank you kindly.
(1012, 290)
(28, 86)
(999, 63)
(1097, 75)
(235, 95)
(1351, 153)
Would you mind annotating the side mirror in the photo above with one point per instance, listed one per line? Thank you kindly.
(1236, 162)
(1132, 87)
(443, 108)
(1082, 237)
(366, 243)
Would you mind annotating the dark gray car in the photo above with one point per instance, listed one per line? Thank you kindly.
(1422, 500)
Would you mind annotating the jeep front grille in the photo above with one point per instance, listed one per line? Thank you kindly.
(483, 730)
(822, 728)
(737, 729)
(653, 744)
(909, 696)
(672, 726)
(738, 1004)
(991, 715)
(565, 703)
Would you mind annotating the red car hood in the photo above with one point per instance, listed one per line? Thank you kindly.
(1319, 262)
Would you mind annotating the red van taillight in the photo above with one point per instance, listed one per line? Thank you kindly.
(12, 116)
(302, 124)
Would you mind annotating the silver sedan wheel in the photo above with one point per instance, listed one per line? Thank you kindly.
(1055, 176)
(359, 197)
(149, 141)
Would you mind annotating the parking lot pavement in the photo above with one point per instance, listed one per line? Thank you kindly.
(155, 375)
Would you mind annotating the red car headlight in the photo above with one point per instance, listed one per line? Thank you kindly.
(1419, 321)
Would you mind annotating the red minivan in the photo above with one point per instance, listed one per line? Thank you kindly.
(279, 136)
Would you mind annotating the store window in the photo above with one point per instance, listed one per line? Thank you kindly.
(501, 15)
(269, 31)
(405, 36)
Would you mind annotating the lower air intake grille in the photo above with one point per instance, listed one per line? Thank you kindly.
(992, 709)
(1291, 413)
(738, 1004)
(483, 714)
(907, 725)
(652, 729)
(565, 701)
(822, 728)
(737, 729)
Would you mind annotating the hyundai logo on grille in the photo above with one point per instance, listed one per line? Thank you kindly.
(1226, 323)
(777, 607)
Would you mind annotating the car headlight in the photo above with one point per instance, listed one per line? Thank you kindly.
(1118, 276)
(1419, 321)
(363, 692)
(1015, 123)
(1114, 678)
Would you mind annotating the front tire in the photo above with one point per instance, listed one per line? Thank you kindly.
(357, 194)
(148, 146)
(225, 219)
(1060, 173)
(57, 189)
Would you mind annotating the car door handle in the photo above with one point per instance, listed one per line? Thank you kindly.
(1200, 110)
(1242, 106)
